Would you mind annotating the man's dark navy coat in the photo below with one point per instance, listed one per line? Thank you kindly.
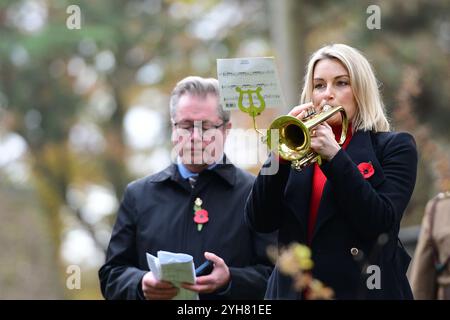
(354, 213)
(156, 213)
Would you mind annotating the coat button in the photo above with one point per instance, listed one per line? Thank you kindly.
(354, 251)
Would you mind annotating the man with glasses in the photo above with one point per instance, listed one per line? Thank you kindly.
(195, 206)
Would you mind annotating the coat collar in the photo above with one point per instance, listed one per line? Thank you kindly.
(360, 149)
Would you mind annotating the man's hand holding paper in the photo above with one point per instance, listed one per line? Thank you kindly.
(217, 279)
(155, 289)
(168, 271)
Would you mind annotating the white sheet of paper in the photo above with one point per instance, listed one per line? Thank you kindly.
(175, 268)
(249, 74)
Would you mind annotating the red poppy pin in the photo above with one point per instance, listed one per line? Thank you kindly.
(366, 169)
(200, 215)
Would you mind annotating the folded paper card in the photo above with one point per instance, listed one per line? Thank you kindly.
(175, 268)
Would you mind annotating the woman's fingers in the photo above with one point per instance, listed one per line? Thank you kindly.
(300, 110)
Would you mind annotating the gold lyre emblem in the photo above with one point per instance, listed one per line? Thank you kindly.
(251, 109)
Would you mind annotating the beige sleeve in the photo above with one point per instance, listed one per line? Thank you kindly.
(423, 273)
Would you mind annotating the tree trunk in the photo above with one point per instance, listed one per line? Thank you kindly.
(288, 36)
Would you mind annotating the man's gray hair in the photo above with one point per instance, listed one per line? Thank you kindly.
(197, 86)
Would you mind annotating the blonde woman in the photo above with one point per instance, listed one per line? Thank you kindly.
(348, 209)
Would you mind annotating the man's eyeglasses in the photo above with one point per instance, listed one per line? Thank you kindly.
(204, 125)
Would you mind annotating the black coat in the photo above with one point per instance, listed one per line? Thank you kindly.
(156, 213)
(353, 213)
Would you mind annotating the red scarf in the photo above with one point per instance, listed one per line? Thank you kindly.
(318, 183)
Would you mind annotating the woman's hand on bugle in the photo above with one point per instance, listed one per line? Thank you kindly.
(303, 110)
(324, 142)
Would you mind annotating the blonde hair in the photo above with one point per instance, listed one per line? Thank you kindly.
(370, 112)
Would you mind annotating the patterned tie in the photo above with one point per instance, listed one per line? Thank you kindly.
(192, 181)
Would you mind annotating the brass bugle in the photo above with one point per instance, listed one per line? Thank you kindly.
(294, 135)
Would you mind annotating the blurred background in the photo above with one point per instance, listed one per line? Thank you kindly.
(84, 111)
